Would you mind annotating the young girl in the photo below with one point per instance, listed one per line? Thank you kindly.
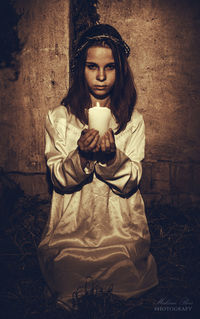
(97, 228)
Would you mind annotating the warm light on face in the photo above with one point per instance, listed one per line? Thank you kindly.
(100, 71)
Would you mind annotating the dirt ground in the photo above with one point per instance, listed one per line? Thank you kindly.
(174, 234)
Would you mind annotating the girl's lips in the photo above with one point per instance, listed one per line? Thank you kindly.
(100, 87)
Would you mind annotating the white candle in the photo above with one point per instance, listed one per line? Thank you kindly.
(99, 118)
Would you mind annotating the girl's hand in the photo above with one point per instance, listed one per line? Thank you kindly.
(108, 146)
(108, 142)
(89, 141)
(88, 144)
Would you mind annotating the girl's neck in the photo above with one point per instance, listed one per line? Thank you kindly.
(102, 102)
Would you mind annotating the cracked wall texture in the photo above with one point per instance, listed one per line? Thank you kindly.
(42, 83)
(165, 45)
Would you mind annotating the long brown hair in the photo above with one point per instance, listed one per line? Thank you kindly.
(123, 95)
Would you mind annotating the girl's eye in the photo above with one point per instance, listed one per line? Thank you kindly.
(91, 66)
(110, 67)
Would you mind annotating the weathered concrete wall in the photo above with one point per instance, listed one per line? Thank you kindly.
(43, 81)
(165, 45)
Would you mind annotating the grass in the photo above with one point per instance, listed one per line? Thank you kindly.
(174, 234)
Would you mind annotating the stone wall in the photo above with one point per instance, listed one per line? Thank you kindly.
(164, 40)
(171, 183)
(43, 81)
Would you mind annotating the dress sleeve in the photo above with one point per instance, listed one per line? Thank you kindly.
(124, 175)
(65, 167)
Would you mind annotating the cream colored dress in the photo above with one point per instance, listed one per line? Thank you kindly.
(97, 229)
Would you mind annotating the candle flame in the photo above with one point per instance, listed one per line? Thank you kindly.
(98, 104)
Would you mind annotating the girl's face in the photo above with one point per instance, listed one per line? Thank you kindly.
(100, 71)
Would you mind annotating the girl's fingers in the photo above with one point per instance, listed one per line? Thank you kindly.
(88, 140)
(111, 136)
(93, 143)
(96, 148)
(84, 132)
(108, 142)
(103, 144)
(112, 140)
(88, 137)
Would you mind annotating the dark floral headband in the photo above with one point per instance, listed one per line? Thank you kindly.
(85, 40)
(101, 37)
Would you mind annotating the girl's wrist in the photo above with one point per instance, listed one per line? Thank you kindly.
(85, 158)
(83, 162)
(112, 160)
(108, 158)
(85, 155)
(86, 165)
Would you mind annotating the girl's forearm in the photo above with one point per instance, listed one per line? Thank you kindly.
(86, 159)
(111, 161)
(83, 161)
(107, 158)
(123, 175)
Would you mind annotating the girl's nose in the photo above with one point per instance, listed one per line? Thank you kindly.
(101, 75)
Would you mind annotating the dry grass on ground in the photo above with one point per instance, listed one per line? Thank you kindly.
(174, 245)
